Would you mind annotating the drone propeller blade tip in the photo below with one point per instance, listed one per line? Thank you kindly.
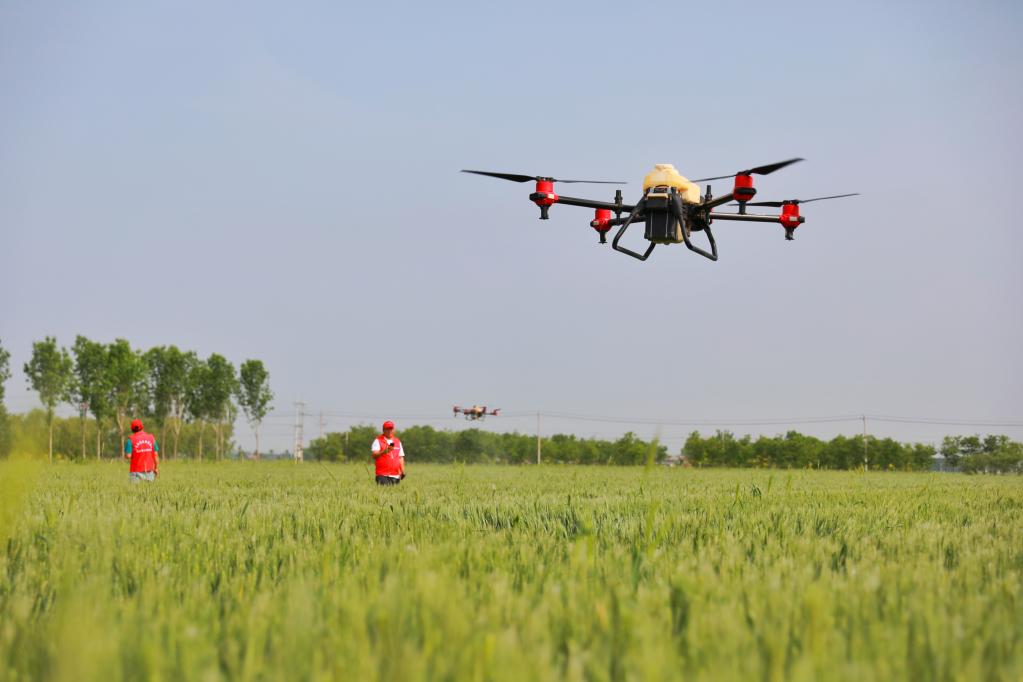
(759, 170)
(776, 204)
(595, 182)
(515, 177)
(772, 167)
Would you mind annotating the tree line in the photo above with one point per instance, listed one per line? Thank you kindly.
(175, 390)
(971, 454)
(987, 454)
(185, 396)
(795, 450)
(471, 446)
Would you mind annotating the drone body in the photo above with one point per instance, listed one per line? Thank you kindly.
(475, 413)
(671, 207)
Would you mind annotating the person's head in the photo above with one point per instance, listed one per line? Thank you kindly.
(388, 427)
(136, 425)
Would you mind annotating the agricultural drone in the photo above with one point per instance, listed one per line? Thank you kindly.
(671, 206)
(475, 412)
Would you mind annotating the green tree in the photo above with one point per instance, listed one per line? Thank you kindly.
(198, 407)
(159, 406)
(223, 381)
(990, 454)
(359, 441)
(211, 384)
(921, 456)
(126, 374)
(329, 448)
(468, 446)
(254, 394)
(49, 374)
(90, 385)
(169, 371)
(629, 450)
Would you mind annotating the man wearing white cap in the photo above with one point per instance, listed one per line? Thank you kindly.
(389, 456)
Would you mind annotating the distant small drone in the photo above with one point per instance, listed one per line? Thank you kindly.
(671, 206)
(475, 412)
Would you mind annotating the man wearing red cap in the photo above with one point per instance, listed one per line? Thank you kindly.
(389, 456)
(144, 452)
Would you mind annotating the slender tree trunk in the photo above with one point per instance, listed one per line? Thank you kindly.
(202, 431)
(179, 420)
(256, 431)
(98, 446)
(49, 415)
(121, 418)
(177, 434)
(83, 437)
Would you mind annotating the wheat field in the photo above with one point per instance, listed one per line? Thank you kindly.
(266, 571)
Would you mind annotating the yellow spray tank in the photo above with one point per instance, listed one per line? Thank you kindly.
(664, 174)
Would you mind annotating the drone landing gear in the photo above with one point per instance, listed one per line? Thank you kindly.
(628, 221)
(676, 215)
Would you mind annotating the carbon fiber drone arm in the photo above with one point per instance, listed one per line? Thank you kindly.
(592, 203)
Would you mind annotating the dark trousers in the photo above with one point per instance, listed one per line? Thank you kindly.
(387, 480)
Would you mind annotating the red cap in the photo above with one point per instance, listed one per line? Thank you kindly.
(136, 425)
(388, 425)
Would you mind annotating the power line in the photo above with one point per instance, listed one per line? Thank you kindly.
(701, 422)
(774, 421)
(943, 422)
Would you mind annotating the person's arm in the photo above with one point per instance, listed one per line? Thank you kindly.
(377, 450)
(127, 449)
(156, 458)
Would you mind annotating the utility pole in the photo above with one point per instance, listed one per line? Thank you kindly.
(296, 453)
(537, 436)
(321, 424)
(864, 417)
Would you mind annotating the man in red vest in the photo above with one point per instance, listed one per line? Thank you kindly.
(144, 452)
(389, 456)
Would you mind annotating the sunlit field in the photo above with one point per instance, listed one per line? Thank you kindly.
(284, 571)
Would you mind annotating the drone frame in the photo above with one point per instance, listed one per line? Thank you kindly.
(658, 205)
(669, 219)
(652, 207)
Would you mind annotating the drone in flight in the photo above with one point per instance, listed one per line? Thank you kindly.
(671, 207)
(475, 412)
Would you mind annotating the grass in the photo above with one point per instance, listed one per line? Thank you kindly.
(283, 571)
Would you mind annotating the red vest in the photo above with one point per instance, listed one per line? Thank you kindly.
(143, 455)
(389, 463)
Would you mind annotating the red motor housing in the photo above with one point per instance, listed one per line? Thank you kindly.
(601, 222)
(789, 217)
(544, 188)
(744, 189)
(601, 219)
(544, 196)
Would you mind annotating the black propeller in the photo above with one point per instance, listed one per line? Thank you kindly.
(777, 204)
(759, 170)
(528, 178)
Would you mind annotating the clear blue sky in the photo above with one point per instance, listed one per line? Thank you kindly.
(283, 184)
